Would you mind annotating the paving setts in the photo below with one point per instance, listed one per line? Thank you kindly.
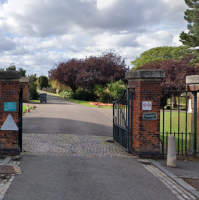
(6, 179)
(175, 188)
(70, 145)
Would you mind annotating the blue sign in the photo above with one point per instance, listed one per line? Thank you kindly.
(10, 106)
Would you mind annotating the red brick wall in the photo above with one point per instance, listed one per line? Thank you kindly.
(9, 92)
(25, 92)
(146, 133)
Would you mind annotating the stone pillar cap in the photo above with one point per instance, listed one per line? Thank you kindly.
(11, 74)
(193, 79)
(145, 74)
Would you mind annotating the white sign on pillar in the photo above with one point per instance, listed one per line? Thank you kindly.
(146, 105)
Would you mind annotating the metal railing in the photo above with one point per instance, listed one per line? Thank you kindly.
(175, 120)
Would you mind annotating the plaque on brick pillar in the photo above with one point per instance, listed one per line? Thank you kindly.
(145, 112)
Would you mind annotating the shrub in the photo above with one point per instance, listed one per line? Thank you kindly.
(79, 95)
(33, 91)
(111, 92)
(66, 94)
(84, 95)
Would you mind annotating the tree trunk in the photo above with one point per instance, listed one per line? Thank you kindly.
(175, 102)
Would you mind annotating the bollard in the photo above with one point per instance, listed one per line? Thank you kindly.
(171, 153)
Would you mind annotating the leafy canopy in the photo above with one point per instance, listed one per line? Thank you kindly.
(11, 67)
(175, 71)
(43, 82)
(90, 71)
(158, 54)
(191, 39)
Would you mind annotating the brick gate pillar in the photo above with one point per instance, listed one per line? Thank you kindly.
(145, 113)
(193, 85)
(9, 112)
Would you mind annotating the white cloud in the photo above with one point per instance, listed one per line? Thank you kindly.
(103, 4)
(35, 34)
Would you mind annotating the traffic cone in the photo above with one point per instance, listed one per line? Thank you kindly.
(28, 108)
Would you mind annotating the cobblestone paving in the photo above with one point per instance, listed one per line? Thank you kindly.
(175, 188)
(70, 145)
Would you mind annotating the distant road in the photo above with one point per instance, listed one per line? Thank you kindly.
(62, 116)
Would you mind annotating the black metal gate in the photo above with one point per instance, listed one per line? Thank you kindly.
(20, 116)
(175, 120)
(122, 121)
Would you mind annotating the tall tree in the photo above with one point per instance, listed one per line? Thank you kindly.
(33, 77)
(102, 69)
(191, 39)
(22, 71)
(158, 54)
(43, 82)
(67, 73)
(175, 71)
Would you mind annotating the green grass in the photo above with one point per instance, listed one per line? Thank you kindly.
(173, 124)
(85, 103)
(25, 108)
(179, 137)
(32, 101)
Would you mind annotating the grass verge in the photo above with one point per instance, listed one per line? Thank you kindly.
(34, 101)
(25, 108)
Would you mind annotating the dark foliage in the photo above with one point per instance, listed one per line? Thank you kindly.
(84, 95)
(175, 71)
(191, 39)
(22, 71)
(67, 73)
(33, 91)
(43, 82)
(90, 71)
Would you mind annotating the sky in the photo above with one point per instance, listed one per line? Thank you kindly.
(37, 34)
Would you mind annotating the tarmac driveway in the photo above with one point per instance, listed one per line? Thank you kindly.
(61, 116)
(85, 178)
